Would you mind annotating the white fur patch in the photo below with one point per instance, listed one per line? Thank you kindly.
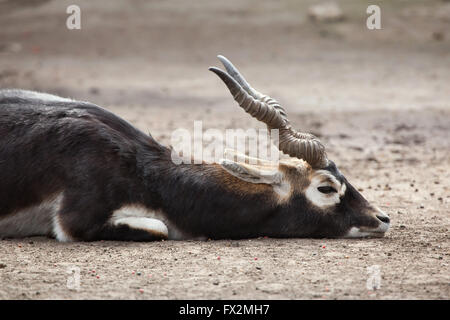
(322, 178)
(142, 223)
(37, 220)
(138, 211)
(252, 173)
(355, 232)
(283, 190)
(382, 228)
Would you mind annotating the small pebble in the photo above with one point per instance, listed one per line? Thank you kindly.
(2, 265)
(141, 290)
(138, 273)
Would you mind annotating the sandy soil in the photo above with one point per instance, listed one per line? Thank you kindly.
(379, 100)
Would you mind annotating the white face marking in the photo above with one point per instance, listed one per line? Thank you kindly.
(381, 213)
(37, 220)
(323, 178)
(137, 211)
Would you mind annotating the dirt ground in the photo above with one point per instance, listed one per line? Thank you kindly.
(378, 99)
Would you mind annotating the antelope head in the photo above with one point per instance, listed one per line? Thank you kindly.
(308, 187)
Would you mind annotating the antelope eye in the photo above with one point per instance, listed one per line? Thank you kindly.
(327, 189)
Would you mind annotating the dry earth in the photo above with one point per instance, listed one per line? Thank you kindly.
(378, 99)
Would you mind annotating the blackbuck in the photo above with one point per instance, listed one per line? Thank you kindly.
(76, 172)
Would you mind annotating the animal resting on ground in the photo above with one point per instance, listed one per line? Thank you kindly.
(76, 172)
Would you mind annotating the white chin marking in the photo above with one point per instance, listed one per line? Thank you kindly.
(381, 213)
(147, 224)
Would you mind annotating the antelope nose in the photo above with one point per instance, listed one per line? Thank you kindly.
(383, 218)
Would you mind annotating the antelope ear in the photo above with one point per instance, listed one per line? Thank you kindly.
(252, 173)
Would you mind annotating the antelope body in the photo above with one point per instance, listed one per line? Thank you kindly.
(76, 172)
